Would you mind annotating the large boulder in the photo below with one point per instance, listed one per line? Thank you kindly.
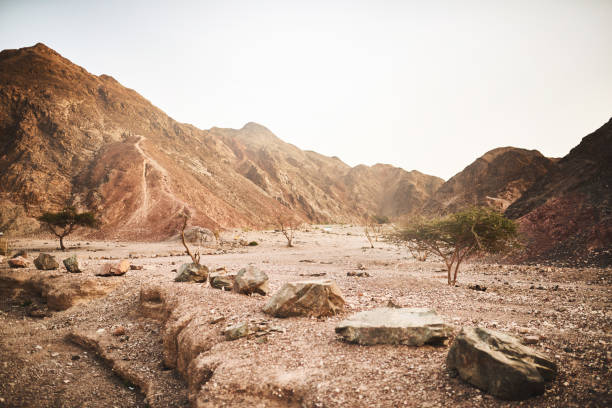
(224, 281)
(387, 325)
(499, 364)
(72, 264)
(251, 280)
(18, 262)
(45, 262)
(306, 298)
(114, 269)
(192, 272)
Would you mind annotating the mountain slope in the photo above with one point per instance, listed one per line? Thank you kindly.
(567, 214)
(67, 136)
(495, 180)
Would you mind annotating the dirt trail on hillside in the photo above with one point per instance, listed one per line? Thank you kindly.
(147, 203)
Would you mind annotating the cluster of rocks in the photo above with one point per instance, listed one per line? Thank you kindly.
(493, 361)
(247, 281)
(44, 262)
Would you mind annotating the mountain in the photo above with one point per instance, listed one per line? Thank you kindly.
(496, 180)
(70, 137)
(567, 214)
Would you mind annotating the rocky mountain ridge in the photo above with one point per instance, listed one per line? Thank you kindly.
(567, 213)
(496, 180)
(67, 136)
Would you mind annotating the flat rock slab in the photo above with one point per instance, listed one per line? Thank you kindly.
(499, 364)
(60, 291)
(385, 325)
(306, 298)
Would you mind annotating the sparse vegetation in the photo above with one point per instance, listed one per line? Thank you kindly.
(287, 226)
(63, 223)
(460, 236)
(253, 243)
(195, 256)
(373, 228)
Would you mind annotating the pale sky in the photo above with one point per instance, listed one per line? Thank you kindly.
(426, 85)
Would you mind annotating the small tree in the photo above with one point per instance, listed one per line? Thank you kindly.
(195, 256)
(287, 226)
(63, 223)
(460, 236)
(373, 228)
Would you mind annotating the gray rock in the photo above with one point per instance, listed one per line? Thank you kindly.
(223, 281)
(386, 325)
(46, 262)
(306, 298)
(236, 331)
(251, 280)
(191, 272)
(72, 264)
(499, 364)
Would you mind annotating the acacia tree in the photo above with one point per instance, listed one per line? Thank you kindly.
(460, 236)
(63, 223)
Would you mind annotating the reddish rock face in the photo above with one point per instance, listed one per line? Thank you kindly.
(495, 180)
(566, 215)
(68, 134)
(18, 262)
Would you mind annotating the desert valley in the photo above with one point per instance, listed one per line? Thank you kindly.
(125, 317)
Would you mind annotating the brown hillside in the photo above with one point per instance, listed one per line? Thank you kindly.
(495, 180)
(567, 214)
(69, 136)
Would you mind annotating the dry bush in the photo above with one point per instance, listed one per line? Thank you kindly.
(287, 226)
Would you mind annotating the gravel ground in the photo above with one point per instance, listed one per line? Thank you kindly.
(568, 308)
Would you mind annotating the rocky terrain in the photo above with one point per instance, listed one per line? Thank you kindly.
(566, 215)
(496, 180)
(149, 341)
(67, 136)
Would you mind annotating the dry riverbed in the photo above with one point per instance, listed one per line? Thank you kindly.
(565, 312)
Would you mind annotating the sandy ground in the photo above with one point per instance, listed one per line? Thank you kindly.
(570, 309)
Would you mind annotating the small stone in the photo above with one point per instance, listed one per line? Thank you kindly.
(72, 264)
(119, 331)
(117, 269)
(236, 331)
(217, 320)
(136, 267)
(18, 262)
(191, 272)
(531, 340)
(220, 280)
(306, 298)
(251, 280)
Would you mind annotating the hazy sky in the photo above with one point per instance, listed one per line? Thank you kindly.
(426, 85)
